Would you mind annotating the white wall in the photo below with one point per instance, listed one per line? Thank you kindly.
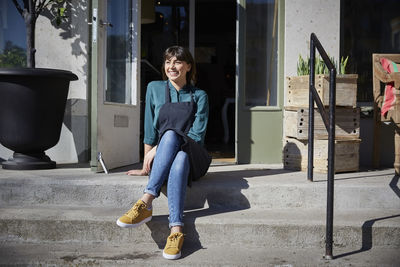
(66, 47)
(302, 17)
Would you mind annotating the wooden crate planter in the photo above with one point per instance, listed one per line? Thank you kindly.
(295, 155)
(297, 88)
(347, 123)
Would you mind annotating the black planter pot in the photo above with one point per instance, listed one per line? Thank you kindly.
(32, 105)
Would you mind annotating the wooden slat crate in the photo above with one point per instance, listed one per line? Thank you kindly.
(295, 155)
(297, 89)
(347, 123)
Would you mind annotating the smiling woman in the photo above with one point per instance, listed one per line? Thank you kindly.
(176, 116)
(178, 66)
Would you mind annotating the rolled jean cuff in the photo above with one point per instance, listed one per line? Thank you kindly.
(151, 193)
(176, 224)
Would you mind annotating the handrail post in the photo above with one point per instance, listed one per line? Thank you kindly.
(310, 167)
(331, 164)
(330, 126)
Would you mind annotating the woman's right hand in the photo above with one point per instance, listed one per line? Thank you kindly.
(137, 172)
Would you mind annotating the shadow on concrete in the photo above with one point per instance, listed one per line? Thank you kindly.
(350, 178)
(367, 225)
(85, 165)
(216, 193)
(394, 185)
(366, 236)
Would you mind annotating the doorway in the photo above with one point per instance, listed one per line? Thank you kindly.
(208, 28)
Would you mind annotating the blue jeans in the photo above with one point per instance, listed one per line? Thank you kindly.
(173, 164)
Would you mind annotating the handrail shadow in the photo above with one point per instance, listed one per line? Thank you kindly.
(352, 178)
(366, 228)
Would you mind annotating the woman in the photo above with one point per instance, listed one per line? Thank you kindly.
(176, 116)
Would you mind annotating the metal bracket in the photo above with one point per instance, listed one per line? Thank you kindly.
(100, 159)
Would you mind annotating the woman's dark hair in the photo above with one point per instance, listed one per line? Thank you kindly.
(182, 54)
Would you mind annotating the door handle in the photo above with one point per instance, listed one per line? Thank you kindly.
(106, 24)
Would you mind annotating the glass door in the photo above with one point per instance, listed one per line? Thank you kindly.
(115, 82)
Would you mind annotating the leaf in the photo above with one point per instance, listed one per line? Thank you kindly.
(61, 11)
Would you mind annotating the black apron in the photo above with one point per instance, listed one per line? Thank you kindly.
(179, 117)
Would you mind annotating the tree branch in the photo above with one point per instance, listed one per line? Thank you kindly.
(42, 4)
(19, 8)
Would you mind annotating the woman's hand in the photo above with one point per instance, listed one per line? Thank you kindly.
(136, 172)
(148, 160)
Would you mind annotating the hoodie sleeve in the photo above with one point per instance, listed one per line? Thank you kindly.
(198, 130)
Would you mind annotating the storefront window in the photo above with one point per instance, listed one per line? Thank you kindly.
(261, 52)
(12, 36)
(368, 27)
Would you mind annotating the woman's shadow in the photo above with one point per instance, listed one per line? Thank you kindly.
(216, 193)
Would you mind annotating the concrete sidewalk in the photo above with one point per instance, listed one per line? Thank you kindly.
(244, 215)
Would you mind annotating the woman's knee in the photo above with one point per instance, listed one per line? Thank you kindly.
(170, 136)
(181, 162)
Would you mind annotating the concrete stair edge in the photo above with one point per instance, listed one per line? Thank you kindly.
(284, 228)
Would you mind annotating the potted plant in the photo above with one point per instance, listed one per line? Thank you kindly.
(298, 86)
(32, 100)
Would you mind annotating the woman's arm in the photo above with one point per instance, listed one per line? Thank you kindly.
(198, 130)
(150, 134)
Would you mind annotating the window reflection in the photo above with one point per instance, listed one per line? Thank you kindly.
(119, 52)
(12, 36)
(261, 52)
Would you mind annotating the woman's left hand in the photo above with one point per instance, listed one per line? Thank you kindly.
(148, 159)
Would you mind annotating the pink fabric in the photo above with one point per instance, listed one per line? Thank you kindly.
(389, 97)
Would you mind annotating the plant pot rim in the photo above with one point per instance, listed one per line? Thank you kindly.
(38, 72)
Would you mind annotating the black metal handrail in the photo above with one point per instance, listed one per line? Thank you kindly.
(329, 121)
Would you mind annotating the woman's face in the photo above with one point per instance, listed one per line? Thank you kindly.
(176, 70)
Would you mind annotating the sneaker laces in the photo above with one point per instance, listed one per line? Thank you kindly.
(174, 240)
(134, 211)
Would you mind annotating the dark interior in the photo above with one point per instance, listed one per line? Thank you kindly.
(215, 46)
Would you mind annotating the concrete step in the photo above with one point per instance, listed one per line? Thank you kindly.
(234, 215)
(130, 254)
(228, 187)
(285, 228)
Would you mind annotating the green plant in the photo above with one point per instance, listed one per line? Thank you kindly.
(303, 66)
(343, 64)
(30, 11)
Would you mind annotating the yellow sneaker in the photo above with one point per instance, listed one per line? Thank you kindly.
(137, 215)
(172, 250)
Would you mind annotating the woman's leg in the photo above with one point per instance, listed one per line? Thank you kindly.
(176, 190)
(166, 151)
(142, 211)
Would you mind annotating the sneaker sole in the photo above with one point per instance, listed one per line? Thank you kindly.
(171, 257)
(127, 225)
